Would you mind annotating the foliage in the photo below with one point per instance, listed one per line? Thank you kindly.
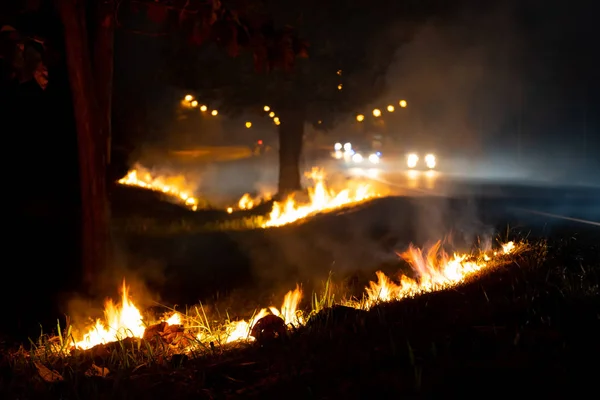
(22, 57)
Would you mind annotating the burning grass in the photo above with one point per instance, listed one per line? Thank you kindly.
(529, 305)
(248, 213)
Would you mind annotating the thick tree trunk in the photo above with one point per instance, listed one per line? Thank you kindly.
(104, 66)
(291, 135)
(92, 148)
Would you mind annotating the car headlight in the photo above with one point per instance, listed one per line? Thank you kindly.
(430, 161)
(357, 158)
(337, 147)
(412, 160)
(347, 147)
(374, 158)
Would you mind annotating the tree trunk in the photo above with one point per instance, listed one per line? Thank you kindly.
(92, 148)
(104, 66)
(291, 135)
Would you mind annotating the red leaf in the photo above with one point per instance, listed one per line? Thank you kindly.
(156, 13)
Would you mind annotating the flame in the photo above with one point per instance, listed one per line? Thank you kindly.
(321, 199)
(170, 185)
(435, 270)
(120, 321)
(240, 330)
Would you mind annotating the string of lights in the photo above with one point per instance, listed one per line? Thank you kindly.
(190, 102)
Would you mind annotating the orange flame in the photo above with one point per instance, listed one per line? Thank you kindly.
(435, 270)
(171, 185)
(120, 321)
(321, 199)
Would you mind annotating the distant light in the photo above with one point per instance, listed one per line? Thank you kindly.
(189, 97)
(377, 112)
(378, 154)
(276, 120)
(214, 113)
(267, 108)
(412, 160)
(337, 146)
(347, 146)
(203, 108)
(340, 86)
(319, 122)
(271, 114)
(360, 118)
(260, 142)
(194, 103)
(277, 123)
(390, 108)
(339, 72)
(430, 161)
(248, 124)
(402, 103)
(229, 210)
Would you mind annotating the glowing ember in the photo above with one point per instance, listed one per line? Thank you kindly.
(172, 185)
(321, 199)
(435, 270)
(120, 321)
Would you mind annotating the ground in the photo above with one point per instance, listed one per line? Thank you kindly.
(526, 328)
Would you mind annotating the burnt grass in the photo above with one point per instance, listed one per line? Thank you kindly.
(530, 327)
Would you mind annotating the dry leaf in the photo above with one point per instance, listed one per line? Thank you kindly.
(97, 371)
(47, 374)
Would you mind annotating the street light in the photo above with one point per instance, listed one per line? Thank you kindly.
(248, 124)
(267, 108)
(340, 86)
(402, 103)
(189, 97)
(377, 112)
(271, 114)
(194, 103)
(360, 118)
(276, 120)
(203, 108)
(214, 113)
(390, 108)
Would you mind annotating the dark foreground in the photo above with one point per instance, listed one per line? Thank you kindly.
(528, 328)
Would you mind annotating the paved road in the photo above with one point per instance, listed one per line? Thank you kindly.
(579, 204)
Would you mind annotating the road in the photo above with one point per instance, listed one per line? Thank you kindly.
(577, 204)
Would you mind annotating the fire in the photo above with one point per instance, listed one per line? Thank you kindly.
(173, 185)
(247, 202)
(321, 199)
(121, 321)
(288, 312)
(435, 270)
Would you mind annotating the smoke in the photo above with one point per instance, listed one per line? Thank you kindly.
(459, 78)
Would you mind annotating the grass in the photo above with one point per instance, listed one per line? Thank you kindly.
(529, 327)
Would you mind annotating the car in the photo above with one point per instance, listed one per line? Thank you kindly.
(357, 155)
(416, 161)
